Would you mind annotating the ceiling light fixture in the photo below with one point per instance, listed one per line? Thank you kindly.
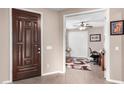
(82, 28)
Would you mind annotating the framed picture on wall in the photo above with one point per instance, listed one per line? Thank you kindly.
(95, 37)
(117, 27)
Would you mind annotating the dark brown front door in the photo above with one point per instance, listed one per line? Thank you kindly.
(26, 44)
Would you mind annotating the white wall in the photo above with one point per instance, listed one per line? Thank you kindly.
(78, 42)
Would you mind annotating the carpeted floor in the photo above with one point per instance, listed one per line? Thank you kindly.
(78, 63)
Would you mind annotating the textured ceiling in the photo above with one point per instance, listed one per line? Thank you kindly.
(96, 19)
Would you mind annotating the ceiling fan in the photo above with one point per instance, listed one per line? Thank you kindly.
(83, 25)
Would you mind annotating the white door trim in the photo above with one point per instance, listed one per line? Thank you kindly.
(11, 47)
(115, 81)
(107, 45)
(107, 36)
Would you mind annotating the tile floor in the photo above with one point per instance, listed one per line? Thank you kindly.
(71, 76)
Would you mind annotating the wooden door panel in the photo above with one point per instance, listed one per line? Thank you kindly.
(35, 32)
(20, 55)
(26, 44)
(20, 31)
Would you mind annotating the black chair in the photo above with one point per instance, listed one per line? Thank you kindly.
(95, 55)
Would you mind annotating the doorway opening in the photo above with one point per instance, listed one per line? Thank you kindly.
(86, 42)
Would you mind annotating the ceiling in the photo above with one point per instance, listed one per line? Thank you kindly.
(95, 19)
(57, 9)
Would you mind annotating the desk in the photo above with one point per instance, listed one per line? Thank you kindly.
(95, 57)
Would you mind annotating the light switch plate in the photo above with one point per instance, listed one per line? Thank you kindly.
(116, 48)
(49, 47)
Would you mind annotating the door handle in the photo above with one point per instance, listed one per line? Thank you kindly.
(38, 48)
(38, 52)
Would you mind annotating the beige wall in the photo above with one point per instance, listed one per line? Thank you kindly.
(116, 56)
(97, 46)
(50, 38)
(122, 64)
(4, 44)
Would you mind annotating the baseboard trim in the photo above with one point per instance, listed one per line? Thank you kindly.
(51, 73)
(6, 82)
(115, 81)
(61, 72)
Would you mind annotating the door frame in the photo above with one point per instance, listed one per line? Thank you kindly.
(106, 43)
(11, 41)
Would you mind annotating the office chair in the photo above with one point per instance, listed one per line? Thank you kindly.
(95, 55)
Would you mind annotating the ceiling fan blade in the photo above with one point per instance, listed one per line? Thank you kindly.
(82, 24)
(89, 26)
(76, 25)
